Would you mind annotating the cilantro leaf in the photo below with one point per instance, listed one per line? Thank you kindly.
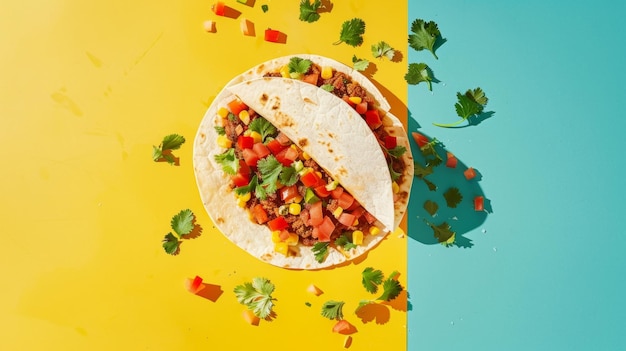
(431, 186)
(328, 87)
(431, 207)
(421, 171)
(359, 64)
(308, 10)
(344, 240)
(220, 130)
(424, 36)
(250, 188)
(298, 66)
(394, 175)
(453, 197)
(182, 223)
(443, 234)
(382, 49)
(263, 127)
(228, 161)
(270, 169)
(397, 151)
(171, 244)
(164, 150)
(320, 249)
(469, 104)
(352, 32)
(288, 176)
(371, 278)
(265, 8)
(333, 309)
(419, 72)
(257, 296)
(391, 289)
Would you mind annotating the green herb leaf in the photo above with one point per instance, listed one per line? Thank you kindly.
(265, 8)
(382, 49)
(220, 130)
(250, 188)
(391, 289)
(228, 161)
(308, 10)
(397, 151)
(431, 207)
(171, 244)
(333, 309)
(345, 241)
(469, 104)
(453, 197)
(371, 278)
(298, 66)
(169, 143)
(182, 223)
(288, 176)
(270, 169)
(443, 233)
(328, 87)
(257, 296)
(352, 32)
(263, 127)
(320, 249)
(424, 35)
(419, 72)
(359, 64)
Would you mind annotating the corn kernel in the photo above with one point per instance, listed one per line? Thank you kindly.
(222, 112)
(319, 174)
(356, 222)
(244, 116)
(282, 248)
(293, 239)
(357, 237)
(374, 230)
(337, 212)
(327, 72)
(355, 99)
(395, 187)
(256, 136)
(223, 141)
(306, 156)
(298, 199)
(295, 209)
(276, 236)
(241, 203)
(284, 71)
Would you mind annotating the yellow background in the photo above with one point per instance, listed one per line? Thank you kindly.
(86, 89)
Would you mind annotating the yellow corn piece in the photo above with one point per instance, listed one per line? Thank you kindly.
(244, 116)
(295, 209)
(356, 222)
(222, 112)
(319, 174)
(355, 99)
(357, 237)
(327, 72)
(395, 187)
(292, 240)
(256, 136)
(241, 203)
(337, 212)
(223, 141)
(276, 236)
(306, 156)
(298, 199)
(284, 71)
(282, 248)
(374, 230)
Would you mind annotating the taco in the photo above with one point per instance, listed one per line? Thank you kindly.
(357, 91)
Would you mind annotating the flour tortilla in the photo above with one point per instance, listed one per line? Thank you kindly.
(393, 126)
(334, 135)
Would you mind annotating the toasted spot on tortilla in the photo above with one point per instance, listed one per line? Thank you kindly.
(342, 171)
(276, 105)
(309, 101)
(263, 99)
(331, 135)
(330, 150)
(303, 142)
(284, 120)
(260, 68)
(267, 256)
(220, 220)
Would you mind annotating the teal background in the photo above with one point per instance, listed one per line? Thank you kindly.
(545, 269)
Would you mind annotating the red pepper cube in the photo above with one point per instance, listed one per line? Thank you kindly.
(420, 139)
(271, 35)
(278, 223)
(451, 162)
(373, 119)
(390, 142)
(469, 173)
(219, 8)
(245, 142)
(479, 203)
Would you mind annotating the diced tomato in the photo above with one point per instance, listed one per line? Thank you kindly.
(311, 78)
(278, 223)
(250, 317)
(358, 211)
(219, 8)
(245, 142)
(287, 156)
(261, 150)
(242, 178)
(451, 161)
(250, 157)
(258, 212)
(390, 142)
(236, 106)
(369, 218)
(470, 173)
(194, 285)
(342, 327)
(311, 180)
(345, 200)
(346, 98)
(321, 191)
(361, 108)
(373, 119)
(336, 193)
(325, 229)
(315, 214)
(479, 203)
(283, 139)
(271, 35)
(315, 232)
(355, 205)
(275, 146)
(420, 139)
(288, 193)
(346, 219)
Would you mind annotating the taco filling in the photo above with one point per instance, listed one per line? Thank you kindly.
(283, 188)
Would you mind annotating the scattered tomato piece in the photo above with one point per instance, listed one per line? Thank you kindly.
(420, 139)
(342, 327)
(271, 35)
(194, 285)
(451, 161)
(479, 203)
(219, 8)
(314, 290)
(470, 173)
(250, 318)
(347, 341)
(209, 26)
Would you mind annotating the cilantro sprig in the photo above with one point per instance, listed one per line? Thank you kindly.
(443, 233)
(183, 224)
(257, 296)
(263, 127)
(373, 279)
(382, 49)
(417, 73)
(424, 36)
(164, 150)
(351, 32)
(298, 66)
(453, 197)
(228, 160)
(333, 309)
(320, 250)
(359, 64)
(470, 104)
(309, 10)
(345, 241)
